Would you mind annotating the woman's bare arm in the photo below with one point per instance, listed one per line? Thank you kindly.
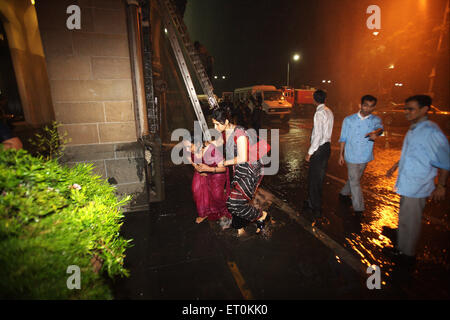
(241, 152)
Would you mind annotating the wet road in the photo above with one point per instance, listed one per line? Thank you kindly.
(175, 258)
(364, 237)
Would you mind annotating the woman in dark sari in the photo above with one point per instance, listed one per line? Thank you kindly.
(246, 175)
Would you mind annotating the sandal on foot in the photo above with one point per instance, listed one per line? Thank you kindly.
(260, 224)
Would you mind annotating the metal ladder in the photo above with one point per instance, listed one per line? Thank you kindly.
(176, 29)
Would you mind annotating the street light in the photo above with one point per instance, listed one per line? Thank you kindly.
(223, 77)
(295, 57)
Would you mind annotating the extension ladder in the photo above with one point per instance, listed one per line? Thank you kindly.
(176, 30)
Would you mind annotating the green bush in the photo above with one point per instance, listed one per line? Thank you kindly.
(52, 217)
(48, 143)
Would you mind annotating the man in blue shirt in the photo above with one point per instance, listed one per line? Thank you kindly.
(425, 154)
(358, 133)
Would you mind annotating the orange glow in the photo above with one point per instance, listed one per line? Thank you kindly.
(422, 4)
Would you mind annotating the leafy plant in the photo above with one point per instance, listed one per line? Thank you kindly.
(51, 217)
(48, 143)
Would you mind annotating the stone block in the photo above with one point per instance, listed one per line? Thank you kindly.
(69, 68)
(88, 153)
(90, 90)
(80, 133)
(126, 170)
(87, 20)
(117, 132)
(98, 167)
(57, 42)
(138, 192)
(93, 44)
(88, 112)
(110, 21)
(129, 150)
(52, 14)
(120, 111)
(85, 3)
(111, 68)
(109, 4)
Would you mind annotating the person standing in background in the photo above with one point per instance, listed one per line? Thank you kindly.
(318, 153)
(358, 133)
(425, 154)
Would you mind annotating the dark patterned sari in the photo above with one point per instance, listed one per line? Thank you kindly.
(246, 179)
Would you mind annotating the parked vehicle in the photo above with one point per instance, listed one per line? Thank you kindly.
(226, 96)
(394, 115)
(298, 96)
(274, 103)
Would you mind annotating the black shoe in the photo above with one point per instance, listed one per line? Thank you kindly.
(344, 197)
(306, 206)
(404, 267)
(391, 233)
(359, 213)
(320, 221)
(317, 214)
(392, 252)
(260, 224)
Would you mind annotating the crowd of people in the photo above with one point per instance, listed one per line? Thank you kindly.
(230, 183)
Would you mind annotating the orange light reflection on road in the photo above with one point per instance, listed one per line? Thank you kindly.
(385, 214)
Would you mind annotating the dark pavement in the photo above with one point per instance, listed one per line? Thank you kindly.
(174, 258)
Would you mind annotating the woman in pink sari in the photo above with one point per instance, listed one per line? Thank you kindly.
(210, 190)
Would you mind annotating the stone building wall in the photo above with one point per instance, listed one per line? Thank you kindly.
(91, 88)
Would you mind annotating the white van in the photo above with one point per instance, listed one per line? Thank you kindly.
(273, 101)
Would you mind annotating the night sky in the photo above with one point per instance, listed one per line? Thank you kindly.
(252, 42)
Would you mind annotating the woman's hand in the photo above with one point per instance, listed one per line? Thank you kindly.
(201, 167)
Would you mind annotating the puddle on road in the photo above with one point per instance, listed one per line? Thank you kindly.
(382, 204)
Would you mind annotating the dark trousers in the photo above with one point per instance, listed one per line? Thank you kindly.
(317, 167)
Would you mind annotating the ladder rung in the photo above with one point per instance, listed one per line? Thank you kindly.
(171, 17)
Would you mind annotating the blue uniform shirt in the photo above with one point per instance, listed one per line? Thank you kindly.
(358, 148)
(425, 148)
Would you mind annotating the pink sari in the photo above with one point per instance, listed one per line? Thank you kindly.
(210, 192)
